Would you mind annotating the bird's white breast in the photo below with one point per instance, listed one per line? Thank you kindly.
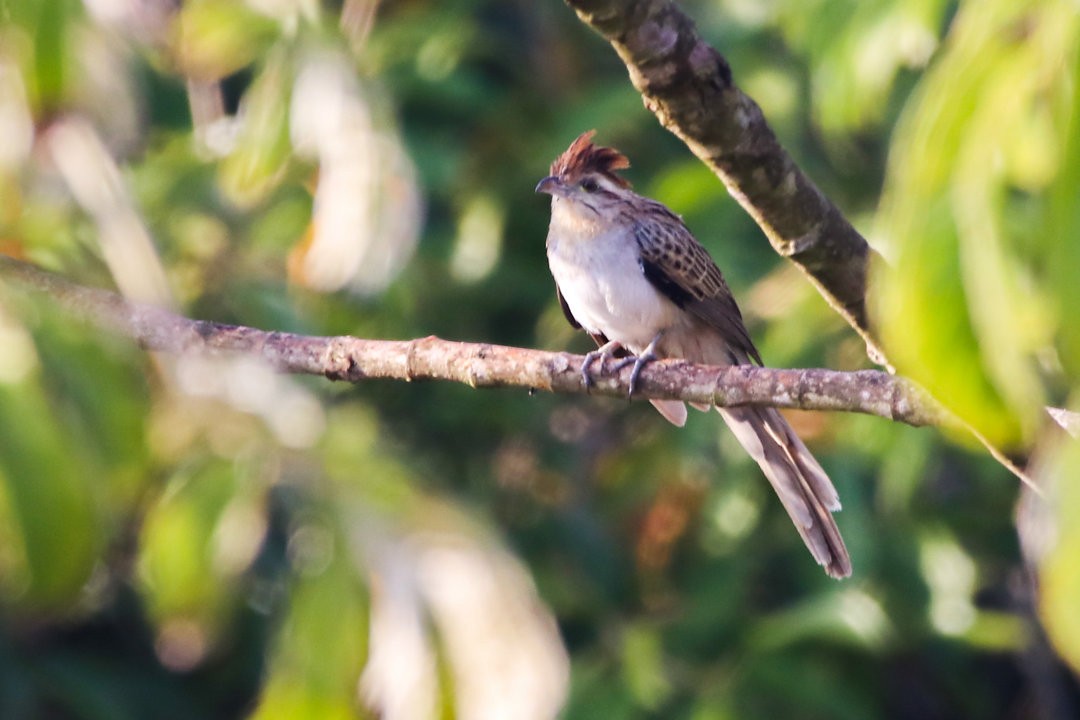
(599, 274)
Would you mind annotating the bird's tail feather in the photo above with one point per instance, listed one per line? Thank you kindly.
(803, 487)
(674, 411)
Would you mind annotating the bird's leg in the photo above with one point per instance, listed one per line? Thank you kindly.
(640, 360)
(602, 353)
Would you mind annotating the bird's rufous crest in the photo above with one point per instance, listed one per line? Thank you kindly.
(583, 156)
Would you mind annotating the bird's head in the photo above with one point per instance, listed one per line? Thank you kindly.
(585, 176)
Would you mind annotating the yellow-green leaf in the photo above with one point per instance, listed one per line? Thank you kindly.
(215, 38)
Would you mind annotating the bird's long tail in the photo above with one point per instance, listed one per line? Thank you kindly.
(805, 490)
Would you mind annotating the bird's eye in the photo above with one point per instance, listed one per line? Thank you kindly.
(589, 185)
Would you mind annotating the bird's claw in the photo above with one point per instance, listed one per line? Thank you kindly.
(639, 362)
(608, 350)
(602, 354)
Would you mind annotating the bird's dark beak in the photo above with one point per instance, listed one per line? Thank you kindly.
(550, 185)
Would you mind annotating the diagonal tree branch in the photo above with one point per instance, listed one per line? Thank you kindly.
(481, 364)
(688, 86)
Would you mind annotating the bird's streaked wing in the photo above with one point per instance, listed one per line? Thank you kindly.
(680, 267)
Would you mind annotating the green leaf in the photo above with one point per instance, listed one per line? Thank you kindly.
(215, 38)
(52, 51)
(1059, 569)
(643, 666)
(956, 309)
(1062, 229)
(196, 540)
(256, 166)
(48, 511)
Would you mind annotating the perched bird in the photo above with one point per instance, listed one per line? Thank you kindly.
(630, 273)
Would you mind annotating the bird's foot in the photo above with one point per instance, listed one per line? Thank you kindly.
(639, 361)
(602, 353)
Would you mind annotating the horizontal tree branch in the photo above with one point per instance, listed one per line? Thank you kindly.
(688, 85)
(485, 365)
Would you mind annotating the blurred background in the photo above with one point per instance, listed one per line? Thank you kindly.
(200, 538)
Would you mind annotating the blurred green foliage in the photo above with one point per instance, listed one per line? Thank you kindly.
(192, 538)
(997, 109)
